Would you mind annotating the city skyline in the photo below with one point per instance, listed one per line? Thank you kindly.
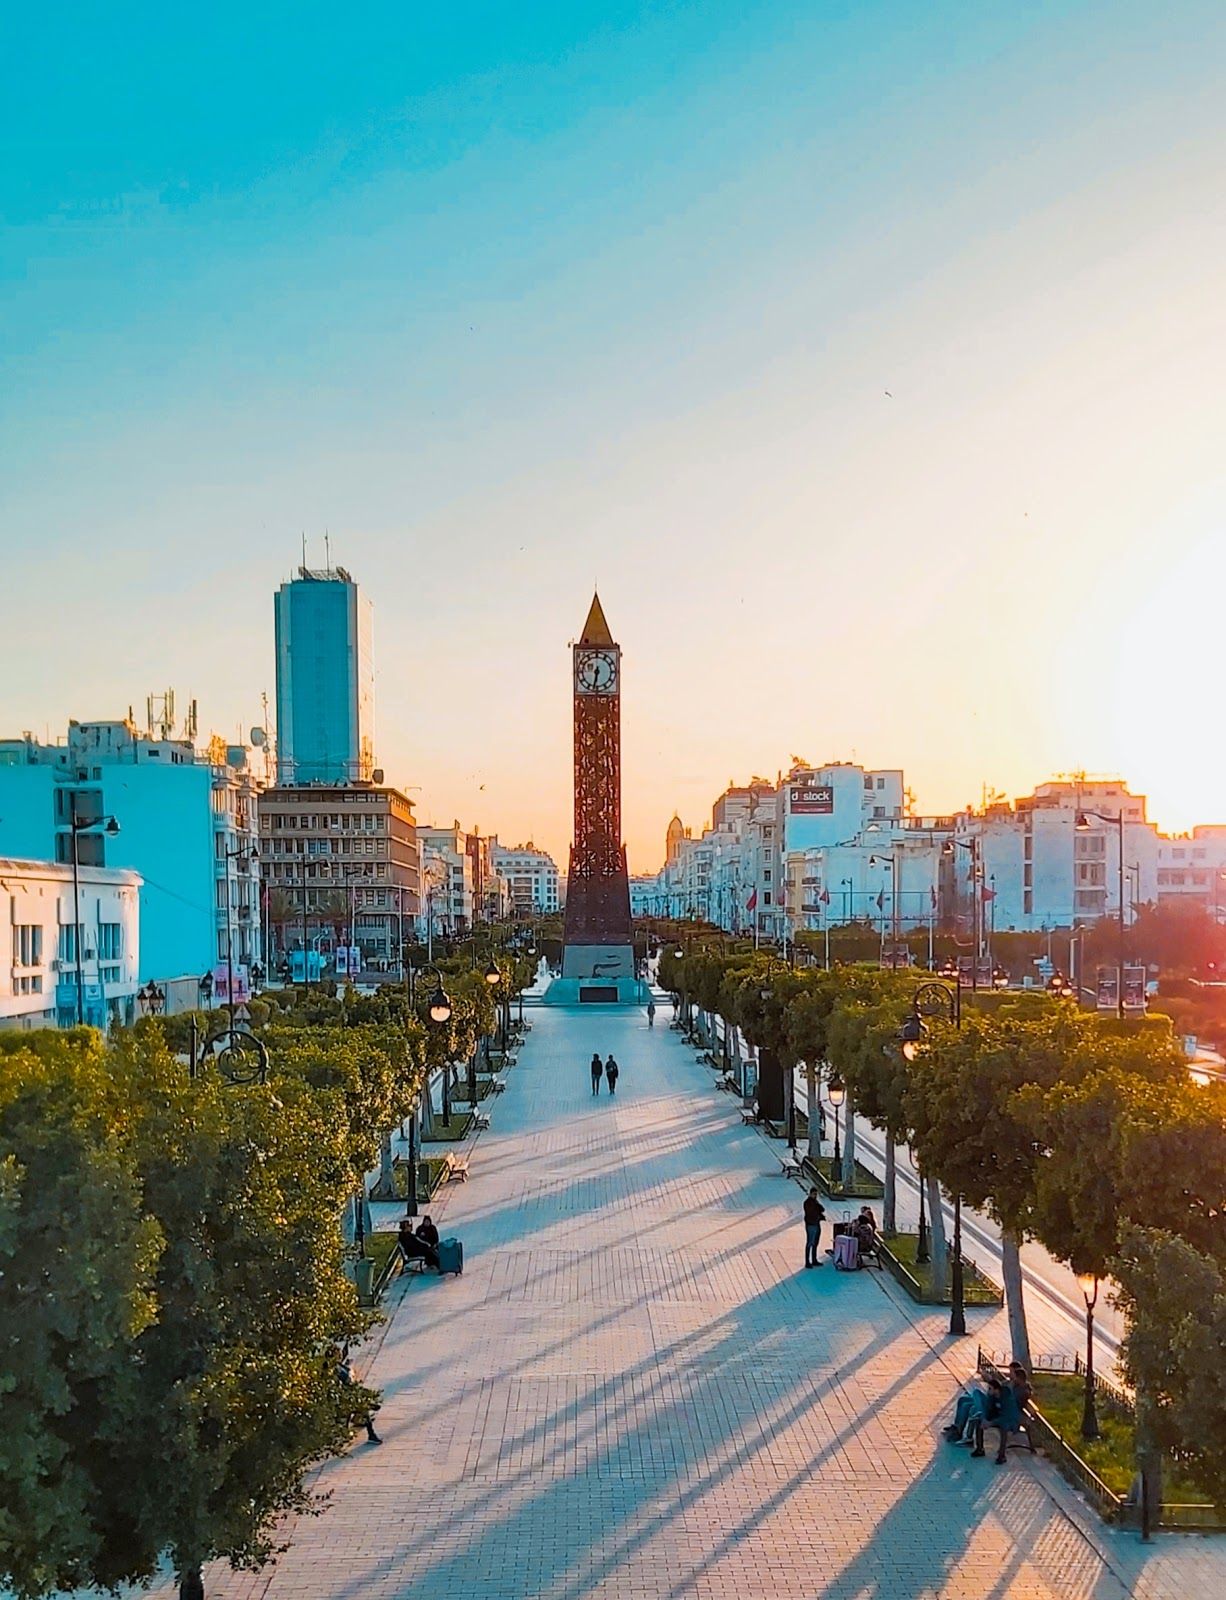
(869, 364)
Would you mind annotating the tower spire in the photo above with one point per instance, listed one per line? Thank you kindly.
(596, 629)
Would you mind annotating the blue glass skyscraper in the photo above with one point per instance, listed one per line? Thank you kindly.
(325, 680)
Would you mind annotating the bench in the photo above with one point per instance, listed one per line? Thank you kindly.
(790, 1165)
(497, 1087)
(481, 1121)
(457, 1167)
(749, 1116)
(729, 1083)
(412, 1263)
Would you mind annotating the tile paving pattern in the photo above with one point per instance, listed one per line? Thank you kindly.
(633, 1391)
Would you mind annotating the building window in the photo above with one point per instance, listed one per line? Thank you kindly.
(27, 944)
(68, 943)
(766, 875)
(767, 897)
(110, 941)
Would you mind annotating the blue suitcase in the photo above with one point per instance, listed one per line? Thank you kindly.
(450, 1256)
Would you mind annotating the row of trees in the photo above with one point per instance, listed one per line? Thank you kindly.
(173, 1291)
(1081, 1132)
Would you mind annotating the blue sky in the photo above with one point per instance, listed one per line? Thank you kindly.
(868, 355)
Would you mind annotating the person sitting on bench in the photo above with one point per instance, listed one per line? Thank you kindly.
(418, 1246)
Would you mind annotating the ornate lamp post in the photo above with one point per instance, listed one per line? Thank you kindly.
(438, 1008)
(1081, 824)
(929, 1000)
(152, 999)
(922, 1252)
(80, 825)
(1089, 1412)
(836, 1093)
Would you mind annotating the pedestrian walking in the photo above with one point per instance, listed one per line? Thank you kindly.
(597, 1072)
(815, 1211)
(344, 1371)
(651, 1013)
(610, 1072)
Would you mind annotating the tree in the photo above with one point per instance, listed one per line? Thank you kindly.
(77, 1262)
(1174, 1299)
(237, 1397)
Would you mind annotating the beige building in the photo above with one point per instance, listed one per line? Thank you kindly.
(340, 866)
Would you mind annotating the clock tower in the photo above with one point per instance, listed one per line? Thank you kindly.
(599, 943)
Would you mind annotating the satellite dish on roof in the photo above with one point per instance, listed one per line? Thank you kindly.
(258, 737)
(377, 775)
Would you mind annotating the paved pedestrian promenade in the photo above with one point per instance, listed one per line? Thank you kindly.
(636, 1391)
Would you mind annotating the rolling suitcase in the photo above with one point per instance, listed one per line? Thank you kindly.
(450, 1256)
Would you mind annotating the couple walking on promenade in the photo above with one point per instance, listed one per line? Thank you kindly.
(608, 1069)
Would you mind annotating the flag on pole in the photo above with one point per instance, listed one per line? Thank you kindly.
(752, 903)
(881, 900)
(825, 897)
(986, 894)
(933, 893)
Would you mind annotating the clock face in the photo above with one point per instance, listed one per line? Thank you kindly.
(596, 672)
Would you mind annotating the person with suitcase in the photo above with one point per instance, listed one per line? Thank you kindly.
(610, 1072)
(597, 1072)
(450, 1257)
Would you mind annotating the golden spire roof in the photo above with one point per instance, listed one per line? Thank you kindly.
(596, 629)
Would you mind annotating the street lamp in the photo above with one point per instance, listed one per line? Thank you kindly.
(439, 1011)
(933, 1000)
(151, 998)
(251, 854)
(836, 1093)
(971, 844)
(1081, 824)
(922, 1252)
(80, 825)
(1088, 1282)
(205, 987)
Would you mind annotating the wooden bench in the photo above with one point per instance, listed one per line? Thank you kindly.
(789, 1165)
(481, 1121)
(412, 1263)
(457, 1167)
(749, 1116)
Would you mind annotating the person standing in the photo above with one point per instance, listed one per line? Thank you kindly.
(651, 1013)
(610, 1072)
(597, 1072)
(815, 1211)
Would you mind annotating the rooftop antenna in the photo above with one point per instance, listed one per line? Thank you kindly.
(327, 552)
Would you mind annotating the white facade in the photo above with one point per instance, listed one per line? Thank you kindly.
(532, 877)
(41, 939)
(447, 880)
(839, 844)
(1039, 870)
(1192, 868)
(187, 821)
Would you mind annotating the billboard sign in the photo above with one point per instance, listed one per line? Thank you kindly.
(221, 985)
(1107, 988)
(812, 799)
(1134, 989)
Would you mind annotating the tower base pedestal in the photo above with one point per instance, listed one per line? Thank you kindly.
(597, 992)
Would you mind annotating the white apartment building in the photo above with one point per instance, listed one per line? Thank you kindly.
(1037, 869)
(186, 824)
(47, 943)
(1191, 868)
(532, 877)
(448, 881)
